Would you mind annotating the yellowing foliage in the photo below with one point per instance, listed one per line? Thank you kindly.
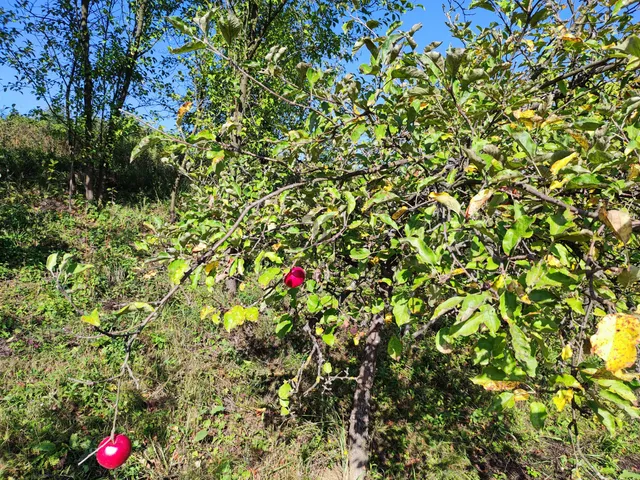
(616, 339)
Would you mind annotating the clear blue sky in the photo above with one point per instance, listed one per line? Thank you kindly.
(432, 18)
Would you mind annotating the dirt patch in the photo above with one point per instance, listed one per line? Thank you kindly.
(5, 349)
(630, 462)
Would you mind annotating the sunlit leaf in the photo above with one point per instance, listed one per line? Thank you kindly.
(616, 339)
(92, 319)
(447, 200)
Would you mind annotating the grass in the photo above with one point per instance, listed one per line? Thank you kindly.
(206, 402)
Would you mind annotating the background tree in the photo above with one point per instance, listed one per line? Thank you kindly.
(85, 60)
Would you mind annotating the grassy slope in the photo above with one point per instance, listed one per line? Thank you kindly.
(430, 422)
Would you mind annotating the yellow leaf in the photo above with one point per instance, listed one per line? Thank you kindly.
(206, 311)
(551, 120)
(553, 261)
(563, 162)
(520, 395)
(558, 183)
(616, 339)
(242, 286)
(619, 221)
(561, 398)
(634, 171)
(527, 114)
(495, 385)
(570, 37)
(567, 353)
(388, 318)
(478, 201)
(92, 319)
(210, 266)
(447, 200)
(398, 213)
(581, 139)
(186, 106)
(530, 45)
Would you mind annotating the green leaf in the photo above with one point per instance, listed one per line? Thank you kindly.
(143, 145)
(284, 391)
(329, 339)
(444, 307)
(51, 261)
(470, 304)
(327, 368)
(233, 318)
(466, 327)
(575, 304)
(181, 25)
(359, 253)
(321, 220)
(490, 318)
(351, 202)
(284, 326)
(523, 349)
(401, 311)
(425, 254)
(92, 319)
(605, 416)
(631, 46)
(394, 348)
(538, 414)
(510, 240)
(358, 131)
(176, 270)
(587, 180)
(526, 142)
(265, 279)
(46, 447)
(201, 435)
(380, 197)
(186, 48)
(313, 303)
(442, 341)
(229, 26)
(135, 307)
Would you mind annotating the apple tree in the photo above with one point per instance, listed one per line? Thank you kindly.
(484, 199)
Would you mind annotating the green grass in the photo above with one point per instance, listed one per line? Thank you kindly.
(204, 403)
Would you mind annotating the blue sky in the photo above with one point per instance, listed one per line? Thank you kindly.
(432, 18)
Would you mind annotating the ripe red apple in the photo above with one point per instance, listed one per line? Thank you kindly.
(113, 454)
(295, 277)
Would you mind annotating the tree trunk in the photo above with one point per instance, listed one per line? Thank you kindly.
(88, 184)
(359, 419)
(87, 98)
(72, 185)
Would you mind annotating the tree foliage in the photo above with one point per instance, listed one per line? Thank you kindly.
(484, 198)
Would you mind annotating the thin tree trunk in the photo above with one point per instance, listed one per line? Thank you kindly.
(361, 410)
(87, 97)
(72, 184)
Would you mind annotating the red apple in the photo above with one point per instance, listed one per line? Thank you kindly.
(113, 454)
(295, 277)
